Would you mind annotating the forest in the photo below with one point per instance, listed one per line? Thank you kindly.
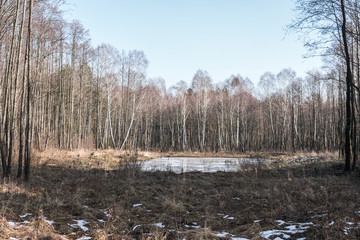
(77, 120)
(57, 90)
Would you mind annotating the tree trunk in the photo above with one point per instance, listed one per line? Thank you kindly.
(349, 81)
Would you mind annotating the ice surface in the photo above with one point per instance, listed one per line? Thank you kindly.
(196, 164)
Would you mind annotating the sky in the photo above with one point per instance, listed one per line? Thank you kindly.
(178, 37)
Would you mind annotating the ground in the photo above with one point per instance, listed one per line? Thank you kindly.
(87, 194)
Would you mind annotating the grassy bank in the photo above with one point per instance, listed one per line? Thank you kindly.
(103, 196)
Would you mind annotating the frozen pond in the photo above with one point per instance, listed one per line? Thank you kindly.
(199, 164)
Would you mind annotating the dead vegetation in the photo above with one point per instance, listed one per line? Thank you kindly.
(104, 195)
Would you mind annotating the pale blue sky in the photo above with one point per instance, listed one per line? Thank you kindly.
(179, 37)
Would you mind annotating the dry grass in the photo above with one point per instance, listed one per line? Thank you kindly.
(118, 201)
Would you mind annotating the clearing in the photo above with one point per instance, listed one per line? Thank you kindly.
(104, 195)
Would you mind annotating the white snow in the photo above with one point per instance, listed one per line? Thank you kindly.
(222, 234)
(48, 221)
(25, 215)
(16, 225)
(190, 226)
(101, 220)
(319, 215)
(137, 205)
(228, 217)
(79, 224)
(160, 225)
(107, 214)
(351, 226)
(290, 229)
(84, 238)
(226, 234)
(280, 222)
(270, 233)
(13, 224)
(134, 228)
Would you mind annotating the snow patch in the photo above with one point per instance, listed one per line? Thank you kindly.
(107, 214)
(84, 238)
(228, 217)
(25, 215)
(290, 229)
(222, 234)
(194, 226)
(160, 225)
(80, 224)
(16, 225)
(137, 205)
(226, 234)
(280, 222)
(49, 221)
(134, 228)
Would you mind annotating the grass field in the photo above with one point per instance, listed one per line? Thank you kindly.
(104, 195)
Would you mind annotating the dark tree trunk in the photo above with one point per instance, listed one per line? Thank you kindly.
(348, 119)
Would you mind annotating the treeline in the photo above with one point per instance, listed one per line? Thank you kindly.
(57, 90)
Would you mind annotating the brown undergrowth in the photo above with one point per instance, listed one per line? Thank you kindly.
(109, 197)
